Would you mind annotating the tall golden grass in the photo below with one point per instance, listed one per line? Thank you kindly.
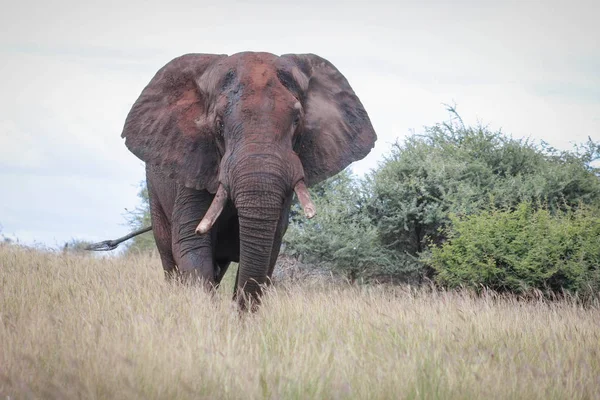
(80, 327)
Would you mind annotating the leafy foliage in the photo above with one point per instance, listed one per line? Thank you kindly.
(140, 218)
(519, 250)
(341, 235)
(461, 170)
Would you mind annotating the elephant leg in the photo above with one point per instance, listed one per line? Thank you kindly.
(193, 254)
(161, 228)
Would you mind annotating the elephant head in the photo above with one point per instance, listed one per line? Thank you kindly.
(251, 127)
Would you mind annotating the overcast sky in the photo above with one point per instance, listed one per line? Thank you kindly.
(70, 71)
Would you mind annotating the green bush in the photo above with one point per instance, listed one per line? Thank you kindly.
(341, 235)
(140, 218)
(522, 249)
(451, 168)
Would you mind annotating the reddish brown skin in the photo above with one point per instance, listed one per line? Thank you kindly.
(255, 123)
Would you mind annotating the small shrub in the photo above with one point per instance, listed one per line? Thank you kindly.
(523, 249)
(342, 237)
(456, 169)
(139, 218)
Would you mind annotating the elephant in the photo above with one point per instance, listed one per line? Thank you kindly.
(227, 141)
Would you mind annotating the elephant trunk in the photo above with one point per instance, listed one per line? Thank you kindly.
(259, 188)
(257, 236)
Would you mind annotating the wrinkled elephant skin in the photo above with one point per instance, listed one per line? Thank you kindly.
(253, 127)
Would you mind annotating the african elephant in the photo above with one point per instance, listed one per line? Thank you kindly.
(227, 140)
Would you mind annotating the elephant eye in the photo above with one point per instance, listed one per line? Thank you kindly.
(297, 120)
(219, 126)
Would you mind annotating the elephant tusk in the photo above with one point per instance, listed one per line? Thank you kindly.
(213, 211)
(304, 199)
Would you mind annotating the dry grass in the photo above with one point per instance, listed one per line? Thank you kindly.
(77, 327)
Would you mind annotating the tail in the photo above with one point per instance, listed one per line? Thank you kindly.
(113, 244)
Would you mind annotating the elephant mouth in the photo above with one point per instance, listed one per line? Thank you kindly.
(220, 199)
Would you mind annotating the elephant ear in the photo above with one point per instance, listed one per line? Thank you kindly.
(337, 130)
(167, 124)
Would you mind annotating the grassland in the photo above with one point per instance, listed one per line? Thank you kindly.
(78, 327)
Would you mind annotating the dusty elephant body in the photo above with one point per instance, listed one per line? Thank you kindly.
(253, 128)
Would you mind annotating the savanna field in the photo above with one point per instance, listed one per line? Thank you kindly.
(74, 326)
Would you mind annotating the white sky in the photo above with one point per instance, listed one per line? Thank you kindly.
(70, 71)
